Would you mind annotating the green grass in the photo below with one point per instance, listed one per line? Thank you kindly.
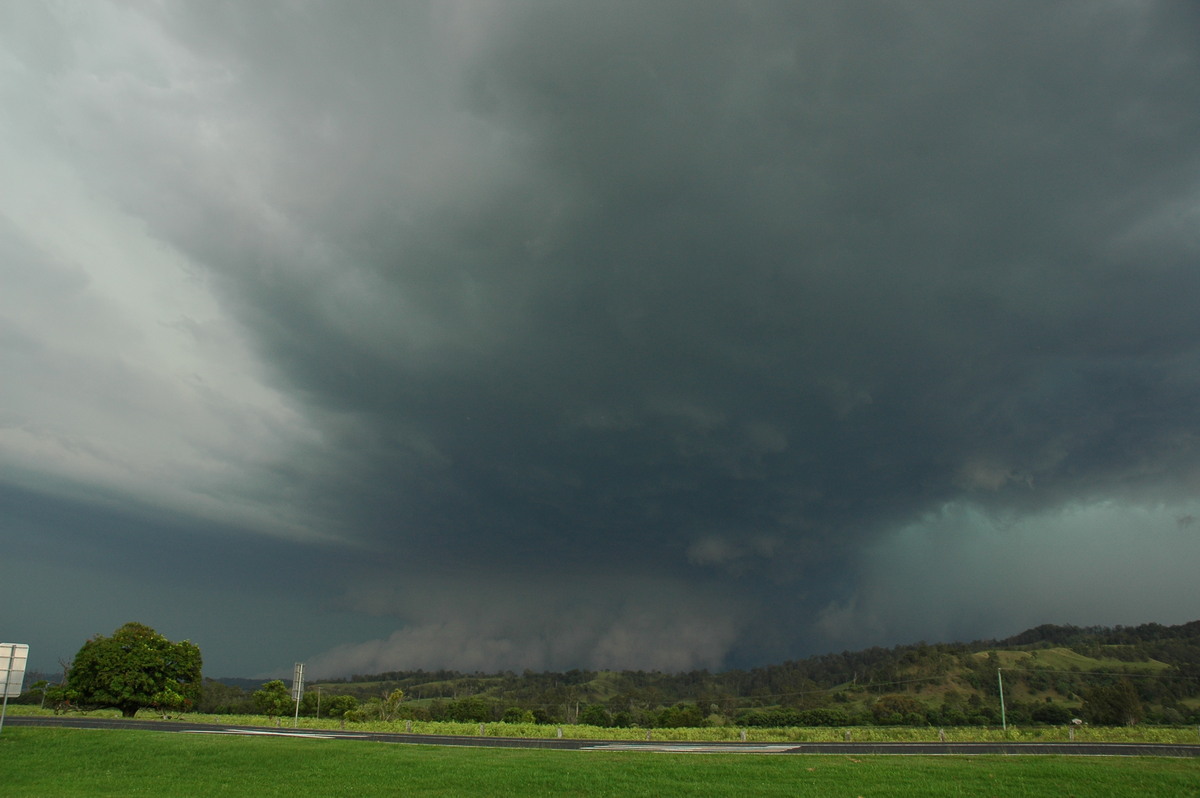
(46, 763)
(1066, 659)
(1180, 735)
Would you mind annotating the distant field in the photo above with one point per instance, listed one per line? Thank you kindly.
(48, 763)
(1066, 659)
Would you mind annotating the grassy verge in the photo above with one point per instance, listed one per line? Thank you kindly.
(1178, 735)
(47, 763)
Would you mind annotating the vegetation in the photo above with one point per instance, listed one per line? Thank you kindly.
(274, 699)
(1172, 735)
(134, 669)
(1051, 675)
(48, 763)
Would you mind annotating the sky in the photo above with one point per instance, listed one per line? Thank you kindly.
(537, 335)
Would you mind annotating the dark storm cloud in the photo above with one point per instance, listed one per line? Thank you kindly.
(674, 301)
(726, 251)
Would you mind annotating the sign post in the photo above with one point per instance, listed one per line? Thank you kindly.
(13, 657)
(297, 690)
(1003, 719)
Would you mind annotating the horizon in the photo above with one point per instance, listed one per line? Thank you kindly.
(1003, 641)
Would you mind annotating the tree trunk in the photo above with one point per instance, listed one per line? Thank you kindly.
(128, 711)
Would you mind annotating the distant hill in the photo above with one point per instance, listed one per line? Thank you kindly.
(1047, 674)
(243, 684)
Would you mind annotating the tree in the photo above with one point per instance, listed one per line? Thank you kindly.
(386, 708)
(472, 709)
(1054, 714)
(896, 710)
(274, 699)
(1113, 705)
(389, 705)
(518, 715)
(337, 706)
(40, 686)
(135, 668)
(680, 716)
(595, 715)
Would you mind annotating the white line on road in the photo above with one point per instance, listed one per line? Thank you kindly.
(668, 748)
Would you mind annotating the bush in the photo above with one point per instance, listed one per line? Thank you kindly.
(1052, 714)
(822, 717)
(595, 715)
(470, 710)
(517, 715)
(680, 716)
(770, 718)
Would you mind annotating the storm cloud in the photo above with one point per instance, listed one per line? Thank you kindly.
(661, 335)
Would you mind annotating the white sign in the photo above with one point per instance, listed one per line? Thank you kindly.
(13, 657)
(298, 682)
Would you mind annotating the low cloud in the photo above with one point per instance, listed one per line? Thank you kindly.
(966, 573)
(547, 625)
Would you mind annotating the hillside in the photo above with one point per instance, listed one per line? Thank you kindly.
(1048, 674)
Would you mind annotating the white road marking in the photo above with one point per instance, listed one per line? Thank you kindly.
(678, 748)
(265, 733)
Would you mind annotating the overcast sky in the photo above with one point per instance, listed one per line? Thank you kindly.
(665, 335)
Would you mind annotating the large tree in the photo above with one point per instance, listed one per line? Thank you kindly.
(1113, 705)
(135, 668)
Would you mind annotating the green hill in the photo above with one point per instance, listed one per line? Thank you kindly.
(1049, 674)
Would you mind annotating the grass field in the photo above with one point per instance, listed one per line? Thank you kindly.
(46, 762)
(1180, 735)
(1066, 659)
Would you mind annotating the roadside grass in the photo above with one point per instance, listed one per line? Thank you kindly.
(1175, 735)
(51, 762)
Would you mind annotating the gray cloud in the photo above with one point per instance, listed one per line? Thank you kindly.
(490, 623)
(960, 573)
(721, 299)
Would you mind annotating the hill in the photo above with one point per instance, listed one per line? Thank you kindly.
(1047, 674)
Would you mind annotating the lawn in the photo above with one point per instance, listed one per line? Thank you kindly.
(48, 762)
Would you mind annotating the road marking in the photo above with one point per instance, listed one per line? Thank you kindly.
(677, 748)
(253, 732)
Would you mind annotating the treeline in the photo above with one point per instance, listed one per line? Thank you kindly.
(1051, 674)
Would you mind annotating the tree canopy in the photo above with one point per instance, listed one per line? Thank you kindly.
(135, 668)
(274, 699)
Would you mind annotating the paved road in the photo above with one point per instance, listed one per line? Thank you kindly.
(1068, 749)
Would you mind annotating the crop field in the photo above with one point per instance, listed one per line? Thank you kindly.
(49, 762)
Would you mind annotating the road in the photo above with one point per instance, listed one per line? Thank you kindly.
(931, 748)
